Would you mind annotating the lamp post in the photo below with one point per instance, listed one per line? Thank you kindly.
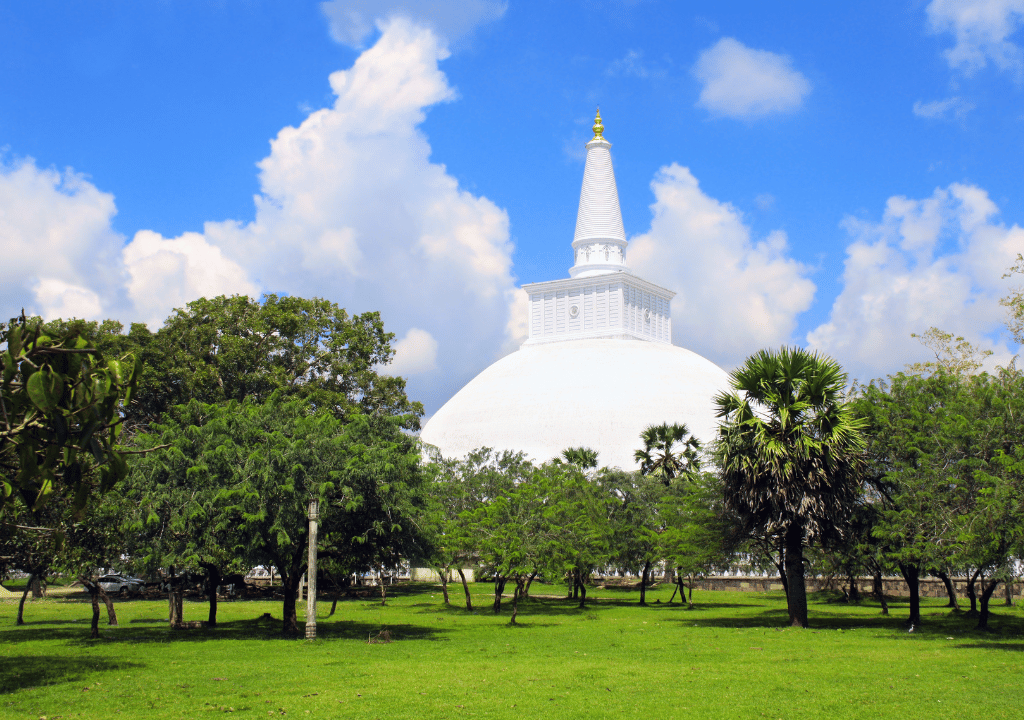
(314, 515)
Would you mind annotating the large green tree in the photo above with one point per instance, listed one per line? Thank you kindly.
(790, 454)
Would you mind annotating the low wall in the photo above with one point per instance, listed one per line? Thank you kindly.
(893, 586)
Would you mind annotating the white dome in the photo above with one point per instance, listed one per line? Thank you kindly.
(601, 394)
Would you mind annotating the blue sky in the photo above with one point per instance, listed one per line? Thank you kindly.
(832, 175)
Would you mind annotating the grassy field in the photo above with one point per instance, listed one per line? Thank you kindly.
(731, 657)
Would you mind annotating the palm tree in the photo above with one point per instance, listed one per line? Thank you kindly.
(669, 451)
(583, 457)
(790, 453)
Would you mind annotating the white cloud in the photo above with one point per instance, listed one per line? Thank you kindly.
(932, 262)
(632, 64)
(166, 274)
(414, 354)
(981, 29)
(742, 82)
(735, 294)
(351, 209)
(351, 22)
(58, 299)
(950, 108)
(60, 254)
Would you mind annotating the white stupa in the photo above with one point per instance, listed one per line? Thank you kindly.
(599, 365)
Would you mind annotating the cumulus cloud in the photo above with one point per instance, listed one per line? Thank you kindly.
(60, 254)
(414, 354)
(742, 82)
(936, 262)
(955, 108)
(982, 29)
(735, 294)
(166, 274)
(351, 22)
(351, 209)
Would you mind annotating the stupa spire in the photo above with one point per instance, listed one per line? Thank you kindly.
(599, 245)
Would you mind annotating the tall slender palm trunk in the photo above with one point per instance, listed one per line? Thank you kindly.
(796, 595)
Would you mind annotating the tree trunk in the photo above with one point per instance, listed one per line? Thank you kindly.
(515, 598)
(971, 593)
(680, 587)
(796, 593)
(93, 590)
(290, 586)
(986, 595)
(529, 582)
(465, 588)
(853, 595)
(499, 588)
(214, 577)
(111, 613)
(34, 585)
(950, 589)
(689, 601)
(878, 590)
(443, 574)
(21, 605)
(1009, 593)
(583, 596)
(781, 567)
(383, 588)
(912, 574)
(643, 582)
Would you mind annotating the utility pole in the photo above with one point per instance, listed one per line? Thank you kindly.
(314, 515)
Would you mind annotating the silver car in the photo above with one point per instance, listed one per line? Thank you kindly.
(121, 584)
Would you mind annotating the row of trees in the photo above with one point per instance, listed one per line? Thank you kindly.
(218, 429)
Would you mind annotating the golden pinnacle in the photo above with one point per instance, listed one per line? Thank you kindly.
(598, 127)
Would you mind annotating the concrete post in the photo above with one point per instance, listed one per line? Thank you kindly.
(314, 515)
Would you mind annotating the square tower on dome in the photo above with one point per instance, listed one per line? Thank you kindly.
(601, 298)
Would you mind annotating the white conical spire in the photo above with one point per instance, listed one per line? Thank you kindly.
(600, 242)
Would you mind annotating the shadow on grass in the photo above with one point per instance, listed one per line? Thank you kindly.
(29, 671)
(255, 629)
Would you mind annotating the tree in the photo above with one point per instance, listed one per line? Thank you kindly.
(364, 473)
(669, 451)
(1014, 303)
(232, 348)
(512, 534)
(953, 355)
(634, 522)
(179, 520)
(789, 451)
(583, 457)
(60, 403)
(456, 488)
(701, 535)
(941, 450)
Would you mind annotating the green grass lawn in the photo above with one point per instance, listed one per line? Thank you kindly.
(731, 657)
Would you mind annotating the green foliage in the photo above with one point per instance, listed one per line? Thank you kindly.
(943, 458)
(669, 451)
(953, 355)
(789, 451)
(701, 535)
(235, 484)
(61, 401)
(1014, 303)
(789, 446)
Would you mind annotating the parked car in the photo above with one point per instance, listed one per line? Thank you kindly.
(121, 584)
